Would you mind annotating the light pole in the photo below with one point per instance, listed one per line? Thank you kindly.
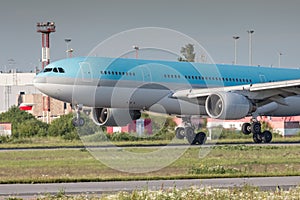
(136, 51)
(235, 48)
(70, 51)
(68, 40)
(279, 58)
(250, 32)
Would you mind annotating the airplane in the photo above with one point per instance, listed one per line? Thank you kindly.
(119, 89)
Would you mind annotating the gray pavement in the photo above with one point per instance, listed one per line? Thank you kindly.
(31, 190)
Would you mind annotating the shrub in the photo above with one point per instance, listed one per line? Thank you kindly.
(24, 124)
(63, 127)
(31, 127)
(4, 139)
(218, 169)
(122, 137)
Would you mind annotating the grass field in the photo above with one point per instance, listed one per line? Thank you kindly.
(66, 165)
(191, 193)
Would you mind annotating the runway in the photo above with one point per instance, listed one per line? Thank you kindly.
(147, 146)
(31, 190)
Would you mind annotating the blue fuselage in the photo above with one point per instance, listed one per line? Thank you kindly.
(140, 84)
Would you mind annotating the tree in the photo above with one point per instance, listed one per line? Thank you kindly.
(24, 124)
(63, 127)
(188, 53)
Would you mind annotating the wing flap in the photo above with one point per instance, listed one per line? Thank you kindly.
(275, 85)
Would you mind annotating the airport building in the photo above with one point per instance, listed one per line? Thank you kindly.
(12, 85)
(17, 89)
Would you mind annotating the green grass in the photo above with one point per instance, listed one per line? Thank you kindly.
(206, 194)
(190, 193)
(73, 165)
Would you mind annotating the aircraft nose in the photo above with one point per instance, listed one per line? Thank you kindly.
(39, 81)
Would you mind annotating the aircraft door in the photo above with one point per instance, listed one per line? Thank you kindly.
(86, 71)
(262, 78)
(147, 78)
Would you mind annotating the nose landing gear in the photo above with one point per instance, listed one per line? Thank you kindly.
(78, 121)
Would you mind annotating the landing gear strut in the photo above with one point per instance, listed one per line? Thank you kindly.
(78, 121)
(188, 131)
(255, 129)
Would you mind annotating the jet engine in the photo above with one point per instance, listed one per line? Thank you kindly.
(227, 105)
(114, 116)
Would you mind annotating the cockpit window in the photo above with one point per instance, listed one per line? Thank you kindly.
(61, 70)
(55, 70)
(47, 70)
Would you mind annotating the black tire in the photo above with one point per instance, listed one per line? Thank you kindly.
(179, 133)
(267, 136)
(190, 135)
(256, 128)
(246, 128)
(78, 122)
(75, 122)
(81, 122)
(257, 138)
(201, 138)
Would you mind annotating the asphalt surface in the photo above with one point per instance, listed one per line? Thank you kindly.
(147, 146)
(32, 190)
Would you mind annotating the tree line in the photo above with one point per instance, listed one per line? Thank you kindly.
(25, 124)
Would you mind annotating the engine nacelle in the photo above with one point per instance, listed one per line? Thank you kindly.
(227, 105)
(114, 116)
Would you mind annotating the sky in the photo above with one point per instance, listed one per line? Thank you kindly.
(211, 23)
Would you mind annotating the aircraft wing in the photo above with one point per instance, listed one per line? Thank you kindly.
(260, 92)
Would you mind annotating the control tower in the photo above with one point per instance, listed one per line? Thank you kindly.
(45, 28)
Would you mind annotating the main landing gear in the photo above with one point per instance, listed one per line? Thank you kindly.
(78, 121)
(188, 131)
(258, 136)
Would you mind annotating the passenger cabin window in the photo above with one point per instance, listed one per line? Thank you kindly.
(212, 78)
(118, 73)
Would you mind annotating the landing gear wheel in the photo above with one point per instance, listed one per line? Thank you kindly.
(190, 135)
(255, 128)
(78, 122)
(201, 138)
(266, 136)
(257, 138)
(74, 122)
(81, 121)
(246, 128)
(179, 133)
